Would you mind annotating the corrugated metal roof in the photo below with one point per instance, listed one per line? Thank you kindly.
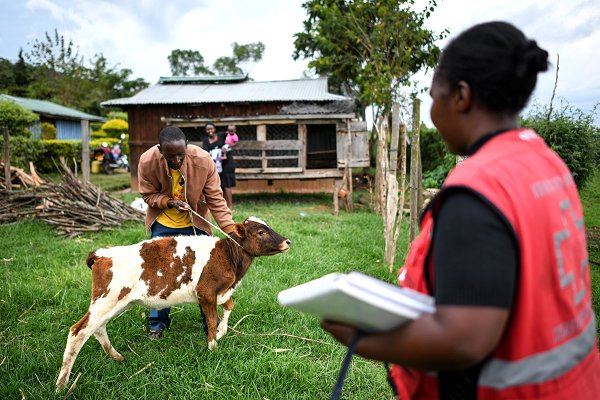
(44, 107)
(203, 79)
(241, 92)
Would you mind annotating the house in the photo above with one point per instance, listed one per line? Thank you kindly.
(295, 136)
(66, 120)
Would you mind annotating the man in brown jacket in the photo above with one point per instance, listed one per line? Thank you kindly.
(175, 178)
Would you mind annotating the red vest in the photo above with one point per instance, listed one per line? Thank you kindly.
(549, 348)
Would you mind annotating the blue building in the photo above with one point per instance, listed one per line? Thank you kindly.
(66, 120)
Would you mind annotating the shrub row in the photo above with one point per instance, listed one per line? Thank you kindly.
(570, 132)
(45, 153)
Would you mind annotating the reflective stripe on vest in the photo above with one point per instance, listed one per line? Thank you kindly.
(541, 367)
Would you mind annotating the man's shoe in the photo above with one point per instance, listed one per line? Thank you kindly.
(155, 334)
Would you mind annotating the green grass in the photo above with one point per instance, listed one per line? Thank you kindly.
(590, 198)
(114, 182)
(45, 288)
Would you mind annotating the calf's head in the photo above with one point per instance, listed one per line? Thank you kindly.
(258, 239)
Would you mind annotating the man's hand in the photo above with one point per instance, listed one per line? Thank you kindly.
(181, 206)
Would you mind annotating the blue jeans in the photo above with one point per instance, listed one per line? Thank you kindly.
(159, 319)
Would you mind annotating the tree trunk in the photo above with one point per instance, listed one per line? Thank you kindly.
(85, 150)
(402, 199)
(381, 170)
(7, 180)
(414, 171)
(391, 209)
(348, 170)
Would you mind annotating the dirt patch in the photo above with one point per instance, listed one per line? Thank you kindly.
(593, 235)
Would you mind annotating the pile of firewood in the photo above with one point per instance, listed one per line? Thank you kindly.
(20, 178)
(72, 207)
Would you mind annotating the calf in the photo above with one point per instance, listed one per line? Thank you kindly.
(163, 272)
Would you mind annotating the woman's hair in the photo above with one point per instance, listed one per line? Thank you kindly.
(170, 134)
(497, 61)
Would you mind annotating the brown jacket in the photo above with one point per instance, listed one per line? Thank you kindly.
(202, 187)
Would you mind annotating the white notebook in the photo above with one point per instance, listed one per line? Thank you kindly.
(358, 299)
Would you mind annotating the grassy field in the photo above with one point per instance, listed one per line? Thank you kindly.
(271, 352)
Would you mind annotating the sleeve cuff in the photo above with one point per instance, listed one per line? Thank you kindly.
(228, 229)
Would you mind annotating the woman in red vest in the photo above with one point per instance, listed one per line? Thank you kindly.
(502, 247)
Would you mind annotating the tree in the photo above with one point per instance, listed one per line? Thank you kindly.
(191, 62)
(15, 78)
(59, 70)
(22, 74)
(16, 118)
(370, 49)
(57, 73)
(7, 75)
(242, 54)
(572, 134)
(188, 62)
(105, 82)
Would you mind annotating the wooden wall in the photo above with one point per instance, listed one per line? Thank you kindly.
(284, 186)
(145, 124)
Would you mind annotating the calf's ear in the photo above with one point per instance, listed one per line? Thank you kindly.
(239, 230)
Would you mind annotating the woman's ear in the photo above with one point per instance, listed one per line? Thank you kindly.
(462, 96)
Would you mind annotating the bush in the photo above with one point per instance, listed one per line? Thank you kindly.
(54, 149)
(100, 134)
(118, 115)
(115, 127)
(48, 131)
(23, 150)
(16, 118)
(45, 153)
(436, 160)
(570, 133)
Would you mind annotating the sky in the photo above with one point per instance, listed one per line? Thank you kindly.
(139, 35)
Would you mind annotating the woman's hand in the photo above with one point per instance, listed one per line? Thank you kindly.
(341, 332)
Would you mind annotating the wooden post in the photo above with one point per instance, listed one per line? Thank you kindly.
(7, 180)
(85, 150)
(381, 170)
(414, 171)
(402, 190)
(391, 206)
(348, 171)
(261, 135)
(337, 183)
(302, 136)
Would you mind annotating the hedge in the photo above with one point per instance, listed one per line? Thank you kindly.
(45, 153)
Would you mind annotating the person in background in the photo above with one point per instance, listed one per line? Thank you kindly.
(175, 179)
(232, 138)
(214, 143)
(502, 247)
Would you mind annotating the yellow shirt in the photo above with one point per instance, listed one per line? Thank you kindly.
(170, 217)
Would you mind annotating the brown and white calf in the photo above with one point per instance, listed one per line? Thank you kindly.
(163, 272)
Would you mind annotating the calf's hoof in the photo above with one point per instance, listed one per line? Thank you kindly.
(212, 345)
(60, 384)
(221, 333)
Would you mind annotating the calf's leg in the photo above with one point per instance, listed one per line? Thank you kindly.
(212, 319)
(78, 335)
(227, 309)
(95, 319)
(102, 337)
